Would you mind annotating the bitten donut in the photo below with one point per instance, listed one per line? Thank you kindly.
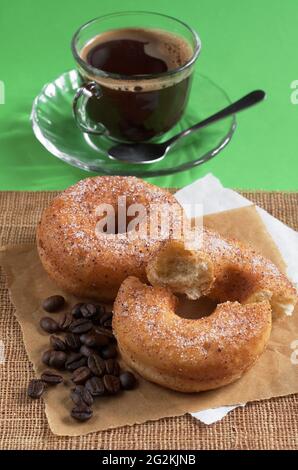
(192, 355)
(188, 355)
(239, 273)
(83, 261)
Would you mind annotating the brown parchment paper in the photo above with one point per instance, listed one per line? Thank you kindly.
(273, 375)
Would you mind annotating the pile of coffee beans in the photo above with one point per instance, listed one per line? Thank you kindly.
(83, 344)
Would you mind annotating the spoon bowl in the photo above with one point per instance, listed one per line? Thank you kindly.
(138, 153)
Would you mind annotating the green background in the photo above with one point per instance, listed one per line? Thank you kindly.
(246, 45)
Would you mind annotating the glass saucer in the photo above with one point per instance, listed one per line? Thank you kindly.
(54, 126)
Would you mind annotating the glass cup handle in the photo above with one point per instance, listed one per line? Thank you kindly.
(82, 96)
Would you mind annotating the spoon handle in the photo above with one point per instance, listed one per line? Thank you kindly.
(246, 101)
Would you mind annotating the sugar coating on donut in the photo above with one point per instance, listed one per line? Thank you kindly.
(243, 274)
(79, 202)
(83, 260)
(188, 355)
(239, 273)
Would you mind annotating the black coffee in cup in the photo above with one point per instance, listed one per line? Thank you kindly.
(142, 95)
(137, 52)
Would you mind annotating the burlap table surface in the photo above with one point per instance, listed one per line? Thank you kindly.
(270, 424)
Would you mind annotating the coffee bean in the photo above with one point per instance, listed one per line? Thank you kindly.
(49, 325)
(96, 320)
(81, 325)
(101, 310)
(127, 380)
(107, 317)
(86, 351)
(65, 321)
(76, 310)
(46, 357)
(53, 303)
(108, 352)
(50, 377)
(35, 388)
(57, 343)
(72, 341)
(87, 338)
(108, 324)
(111, 384)
(81, 413)
(105, 332)
(95, 386)
(74, 361)
(81, 375)
(94, 340)
(96, 365)
(112, 367)
(81, 396)
(57, 359)
(88, 310)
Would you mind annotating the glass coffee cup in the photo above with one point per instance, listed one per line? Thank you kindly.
(136, 70)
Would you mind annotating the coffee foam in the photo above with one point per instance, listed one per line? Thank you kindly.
(173, 49)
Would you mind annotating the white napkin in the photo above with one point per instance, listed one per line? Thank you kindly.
(209, 194)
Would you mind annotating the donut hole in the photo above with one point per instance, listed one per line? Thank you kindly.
(194, 309)
(116, 220)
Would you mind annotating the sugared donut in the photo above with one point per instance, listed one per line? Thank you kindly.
(240, 273)
(188, 355)
(192, 355)
(90, 264)
(243, 274)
